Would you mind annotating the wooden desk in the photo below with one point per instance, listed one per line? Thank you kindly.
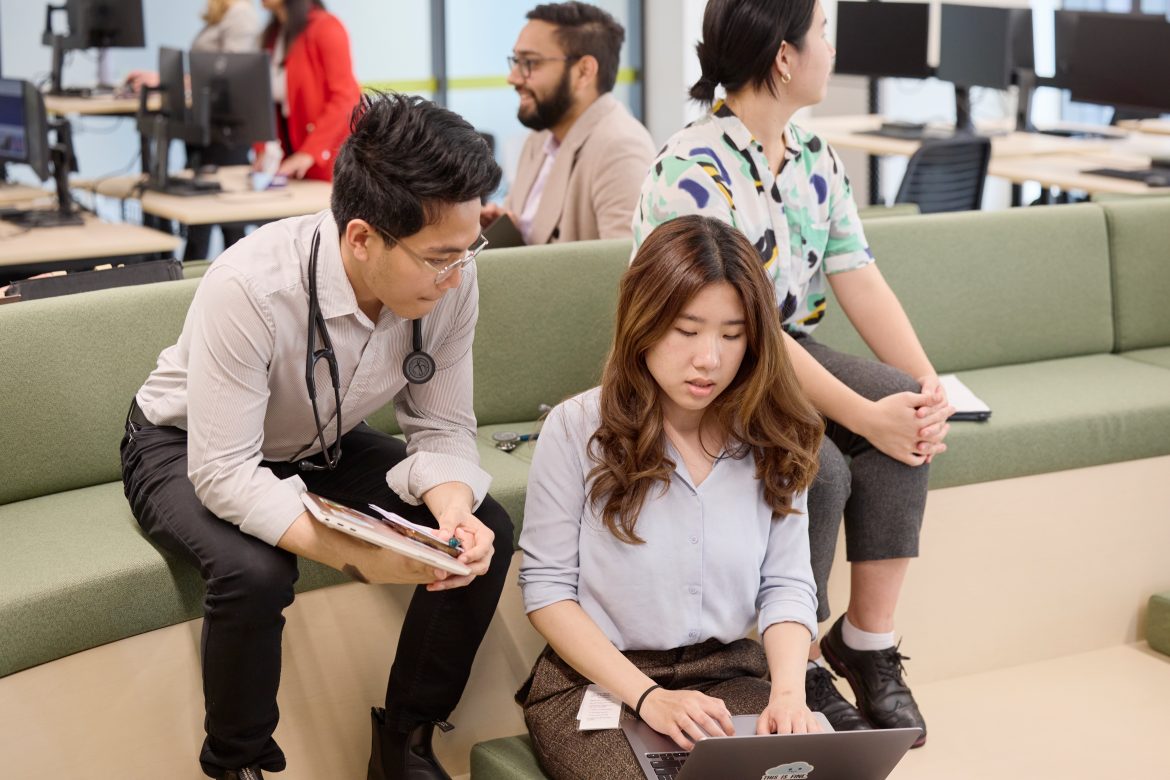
(1152, 126)
(849, 132)
(237, 203)
(1065, 171)
(106, 105)
(18, 194)
(75, 245)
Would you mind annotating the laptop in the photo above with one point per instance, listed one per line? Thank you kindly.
(841, 755)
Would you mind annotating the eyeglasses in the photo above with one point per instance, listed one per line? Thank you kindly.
(441, 268)
(526, 64)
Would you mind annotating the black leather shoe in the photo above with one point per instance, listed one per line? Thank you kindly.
(397, 755)
(822, 696)
(247, 773)
(876, 679)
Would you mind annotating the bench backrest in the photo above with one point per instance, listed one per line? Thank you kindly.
(1139, 250)
(68, 369)
(994, 288)
(69, 366)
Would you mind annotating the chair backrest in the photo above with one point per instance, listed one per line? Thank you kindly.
(947, 174)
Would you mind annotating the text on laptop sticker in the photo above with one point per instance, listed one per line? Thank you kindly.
(797, 771)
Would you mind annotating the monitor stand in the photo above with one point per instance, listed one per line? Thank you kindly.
(156, 152)
(963, 122)
(1026, 84)
(66, 212)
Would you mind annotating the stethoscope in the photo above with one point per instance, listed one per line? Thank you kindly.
(418, 367)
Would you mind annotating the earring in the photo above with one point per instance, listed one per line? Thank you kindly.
(785, 78)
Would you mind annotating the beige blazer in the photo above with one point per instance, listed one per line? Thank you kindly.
(594, 184)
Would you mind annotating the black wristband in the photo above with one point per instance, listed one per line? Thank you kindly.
(642, 699)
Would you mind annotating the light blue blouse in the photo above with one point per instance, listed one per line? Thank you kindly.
(714, 562)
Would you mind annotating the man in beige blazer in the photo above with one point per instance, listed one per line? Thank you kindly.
(582, 168)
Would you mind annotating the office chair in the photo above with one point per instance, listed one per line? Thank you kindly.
(947, 174)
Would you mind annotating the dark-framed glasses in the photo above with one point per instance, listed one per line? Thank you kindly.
(526, 64)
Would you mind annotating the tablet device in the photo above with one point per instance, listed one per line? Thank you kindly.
(503, 233)
(968, 406)
(380, 532)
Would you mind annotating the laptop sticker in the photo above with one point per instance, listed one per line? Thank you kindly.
(796, 771)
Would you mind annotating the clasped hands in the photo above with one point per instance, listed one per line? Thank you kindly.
(910, 427)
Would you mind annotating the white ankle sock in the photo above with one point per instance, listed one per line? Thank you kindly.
(819, 662)
(857, 639)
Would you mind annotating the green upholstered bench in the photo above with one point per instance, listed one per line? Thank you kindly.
(75, 570)
(1157, 623)
(1054, 316)
(1033, 309)
(1028, 309)
(509, 758)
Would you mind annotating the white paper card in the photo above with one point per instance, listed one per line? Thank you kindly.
(599, 709)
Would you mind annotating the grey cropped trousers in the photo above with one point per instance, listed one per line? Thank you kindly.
(881, 499)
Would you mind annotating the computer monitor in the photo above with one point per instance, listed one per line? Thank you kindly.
(882, 40)
(983, 46)
(234, 92)
(1064, 40)
(1121, 60)
(24, 138)
(93, 24)
(172, 120)
(23, 130)
(105, 24)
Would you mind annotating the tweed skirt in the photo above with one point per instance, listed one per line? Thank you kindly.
(735, 673)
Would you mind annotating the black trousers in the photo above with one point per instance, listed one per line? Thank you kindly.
(249, 583)
(199, 236)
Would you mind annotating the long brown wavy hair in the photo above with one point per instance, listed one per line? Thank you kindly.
(763, 411)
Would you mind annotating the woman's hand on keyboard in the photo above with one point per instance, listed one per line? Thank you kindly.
(687, 716)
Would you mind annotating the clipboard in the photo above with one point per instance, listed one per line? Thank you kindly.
(378, 532)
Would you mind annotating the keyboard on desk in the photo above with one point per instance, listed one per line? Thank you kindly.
(1083, 134)
(909, 132)
(1151, 178)
(667, 765)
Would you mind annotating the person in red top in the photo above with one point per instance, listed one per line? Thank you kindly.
(312, 83)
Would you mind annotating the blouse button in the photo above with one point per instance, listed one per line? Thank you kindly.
(693, 540)
(694, 591)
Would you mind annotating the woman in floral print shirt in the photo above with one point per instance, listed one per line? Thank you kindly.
(747, 163)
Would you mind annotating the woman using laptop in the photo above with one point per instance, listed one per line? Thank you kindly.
(665, 515)
(748, 164)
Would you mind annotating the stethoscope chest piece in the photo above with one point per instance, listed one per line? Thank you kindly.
(418, 367)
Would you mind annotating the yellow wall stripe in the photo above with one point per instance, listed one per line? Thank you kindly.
(625, 76)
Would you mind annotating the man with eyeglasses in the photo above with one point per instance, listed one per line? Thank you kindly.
(583, 166)
(295, 335)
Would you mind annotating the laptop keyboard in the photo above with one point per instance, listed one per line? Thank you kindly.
(667, 765)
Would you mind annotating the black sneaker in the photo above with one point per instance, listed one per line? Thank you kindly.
(876, 679)
(822, 696)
